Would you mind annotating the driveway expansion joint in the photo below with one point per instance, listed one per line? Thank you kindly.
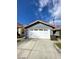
(31, 50)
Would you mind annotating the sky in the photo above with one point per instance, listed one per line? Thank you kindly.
(32, 10)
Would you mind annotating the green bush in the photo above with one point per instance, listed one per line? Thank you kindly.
(59, 45)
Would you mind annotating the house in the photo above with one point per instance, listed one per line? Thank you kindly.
(20, 30)
(39, 30)
(57, 32)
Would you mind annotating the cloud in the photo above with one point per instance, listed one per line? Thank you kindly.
(40, 9)
(54, 9)
(42, 4)
(55, 12)
(57, 8)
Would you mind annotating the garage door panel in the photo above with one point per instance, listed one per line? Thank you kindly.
(39, 34)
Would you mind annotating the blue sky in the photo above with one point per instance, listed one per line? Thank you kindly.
(31, 10)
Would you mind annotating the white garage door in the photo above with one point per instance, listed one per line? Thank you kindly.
(39, 33)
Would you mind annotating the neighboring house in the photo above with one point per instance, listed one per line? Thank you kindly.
(57, 32)
(20, 30)
(39, 30)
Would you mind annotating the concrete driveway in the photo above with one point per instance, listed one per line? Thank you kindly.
(37, 49)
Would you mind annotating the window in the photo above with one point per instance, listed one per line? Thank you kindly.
(41, 29)
(45, 29)
(35, 29)
(31, 29)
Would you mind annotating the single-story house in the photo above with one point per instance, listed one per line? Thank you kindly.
(39, 30)
(57, 32)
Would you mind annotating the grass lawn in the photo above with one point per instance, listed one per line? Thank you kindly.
(58, 44)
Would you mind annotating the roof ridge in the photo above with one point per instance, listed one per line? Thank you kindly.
(40, 22)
